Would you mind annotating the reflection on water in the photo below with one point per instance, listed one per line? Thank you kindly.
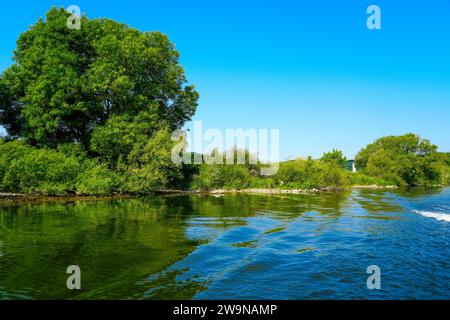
(230, 247)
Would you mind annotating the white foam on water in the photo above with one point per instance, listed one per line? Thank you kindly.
(434, 215)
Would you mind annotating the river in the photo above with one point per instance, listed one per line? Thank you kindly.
(231, 247)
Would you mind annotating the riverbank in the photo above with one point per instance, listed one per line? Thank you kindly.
(181, 244)
(20, 197)
(7, 199)
(274, 190)
(13, 198)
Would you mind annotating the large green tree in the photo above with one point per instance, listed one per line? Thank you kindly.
(67, 83)
(406, 159)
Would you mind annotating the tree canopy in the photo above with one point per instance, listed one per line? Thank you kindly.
(335, 156)
(67, 85)
(406, 159)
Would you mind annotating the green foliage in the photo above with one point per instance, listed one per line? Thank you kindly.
(360, 179)
(73, 150)
(444, 167)
(150, 166)
(67, 82)
(403, 160)
(300, 173)
(27, 169)
(91, 111)
(8, 152)
(445, 171)
(120, 134)
(335, 157)
(97, 179)
(308, 174)
(53, 171)
(218, 176)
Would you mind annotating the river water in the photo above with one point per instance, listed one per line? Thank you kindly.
(231, 247)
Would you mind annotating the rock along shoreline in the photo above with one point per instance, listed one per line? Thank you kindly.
(272, 190)
(12, 198)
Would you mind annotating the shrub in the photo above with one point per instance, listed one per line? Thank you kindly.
(97, 179)
(150, 166)
(361, 179)
(308, 174)
(8, 152)
(217, 176)
(40, 170)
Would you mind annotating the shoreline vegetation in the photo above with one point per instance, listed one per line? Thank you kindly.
(11, 196)
(91, 112)
(395, 161)
(16, 198)
(11, 199)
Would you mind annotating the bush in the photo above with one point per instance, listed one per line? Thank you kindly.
(217, 176)
(97, 179)
(361, 179)
(301, 174)
(263, 182)
(8, 152)
(38, 170)
(445, 175)
(308, 174)
(150, 166)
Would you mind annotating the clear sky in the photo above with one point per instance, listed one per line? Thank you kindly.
(310, 68)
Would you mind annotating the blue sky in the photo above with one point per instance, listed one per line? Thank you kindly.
(310, 68)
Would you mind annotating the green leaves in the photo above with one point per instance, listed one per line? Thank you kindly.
(150, 166)
(403, 160)
(308, 174)
(120, 133)
(27, 169)
(222, 176)
(97, 179)
(99, 104)
(336, 157)
(67, 82)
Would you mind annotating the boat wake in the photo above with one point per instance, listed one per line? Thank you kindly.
(434, 215)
